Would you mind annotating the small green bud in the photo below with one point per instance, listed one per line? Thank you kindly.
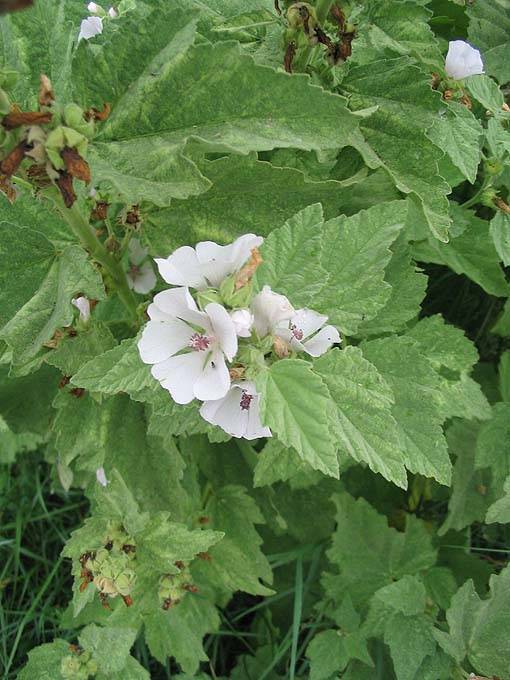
(302, 15)
(8, 78)
(56, 139)
(73, 115)
(70, 667)
(204, 297)
(73, 138)
(487, 197)
(5, 105)
(236, 299)
(493, 166)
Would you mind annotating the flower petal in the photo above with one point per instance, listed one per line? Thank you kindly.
(179, 375)
(223, 329)
(269, 309)
(308, 321)
(178, 303)
(322, 341)
(214, 382)
(226, 413)
(242, 247)
(90, 27)
(145, 281)
(137, 253)
(162, 339)
(462, 60)
(182, 268)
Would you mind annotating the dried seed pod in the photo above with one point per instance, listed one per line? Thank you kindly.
(76, 166)
(46, 96)
(65, 184)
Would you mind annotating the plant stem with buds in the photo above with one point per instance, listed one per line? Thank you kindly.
(85, 234)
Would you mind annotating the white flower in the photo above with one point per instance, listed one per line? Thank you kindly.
(112, 13)
(300, 333)
(83, 305)
(269, 309)
(188, 347)
(90, 27)
(101, 476)
(462, 60)
(141, 276)
(208, 264)
(243, 322)
(238, 412)
(94, 8)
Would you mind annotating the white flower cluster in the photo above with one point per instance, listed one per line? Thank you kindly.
(190, 347)
(93, 25)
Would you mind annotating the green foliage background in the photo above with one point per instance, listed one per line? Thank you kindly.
(368, 538)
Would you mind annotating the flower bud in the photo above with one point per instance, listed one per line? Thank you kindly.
(269, 309)
(83, 305)
(243, 322)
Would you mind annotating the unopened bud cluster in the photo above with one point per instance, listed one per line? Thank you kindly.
(47, 145)
(79, 665)
(173, 587)
(111, 568)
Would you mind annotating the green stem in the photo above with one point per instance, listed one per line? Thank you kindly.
(474, 199)
(85, 234)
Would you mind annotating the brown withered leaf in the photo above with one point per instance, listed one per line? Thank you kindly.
(502, 205)
(7, 188)
(65, 184)
(236, 372)
(38, 175)
(76, 166)
(245, 274)
(95, 114)
(46, 96)
(14, 5)
(16, 119)
(13, 160)
(280, 347)
(290, 53)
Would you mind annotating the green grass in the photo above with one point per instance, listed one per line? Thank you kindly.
(34, 582)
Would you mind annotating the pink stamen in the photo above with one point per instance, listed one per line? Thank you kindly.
(199, 343)
(246, 400)
(296, 332)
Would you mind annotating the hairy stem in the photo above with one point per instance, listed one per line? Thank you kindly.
(85, 234)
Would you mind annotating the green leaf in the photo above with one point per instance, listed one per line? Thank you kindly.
(408, 286)
(369, 555)
(178, 632)
(42, 303)
(386, 30)
(291, 257)
(363, 423)
(418, 408)
(471, 253)
(478, 627)
(493, 445)
(468, 502)
(277, 463)
(73, 351)
(294, 404)
(249, 195)
(453, 356)
(394, 136)
(500, 232)
(118, 370)
(410, 640)
(165, 542)
(486, 91)
(500, 510)
(237, 561)
(489, 30)
(458, 134)
(355, 251)
(109, 646)
(44, 661)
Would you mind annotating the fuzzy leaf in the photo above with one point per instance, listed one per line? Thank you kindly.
(489, 30)
(363, 423)
(294, 404)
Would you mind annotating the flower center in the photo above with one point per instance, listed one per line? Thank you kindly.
(296, 332)
(246, 400)
(199, 343)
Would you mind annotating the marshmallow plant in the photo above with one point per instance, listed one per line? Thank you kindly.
(226, 234)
